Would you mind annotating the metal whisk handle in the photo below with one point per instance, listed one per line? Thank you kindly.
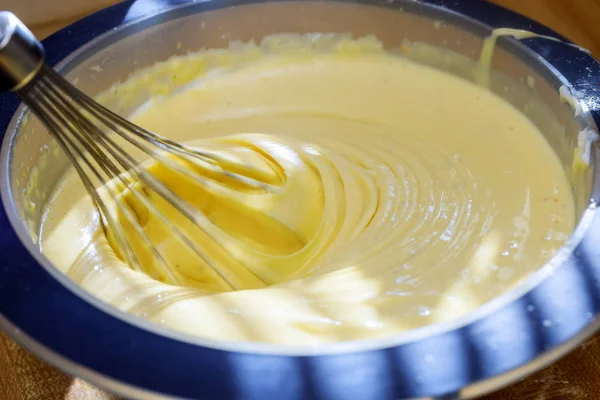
(21, 54)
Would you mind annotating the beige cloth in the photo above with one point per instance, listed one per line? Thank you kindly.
(25, 377)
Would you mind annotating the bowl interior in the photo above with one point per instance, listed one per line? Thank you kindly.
(36, 163)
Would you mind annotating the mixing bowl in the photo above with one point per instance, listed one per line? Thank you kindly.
(517, 333)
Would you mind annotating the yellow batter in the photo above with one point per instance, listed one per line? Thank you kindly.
(402, 196)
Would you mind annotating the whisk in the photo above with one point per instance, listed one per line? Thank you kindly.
(87, 133)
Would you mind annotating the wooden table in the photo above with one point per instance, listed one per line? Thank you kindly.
(577, 376)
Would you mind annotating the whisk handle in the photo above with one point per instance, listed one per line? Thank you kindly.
(21, 54)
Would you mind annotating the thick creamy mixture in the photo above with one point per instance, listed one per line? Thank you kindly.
(401, 196)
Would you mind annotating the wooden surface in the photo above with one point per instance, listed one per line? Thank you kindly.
(577, 376)
(578, 20)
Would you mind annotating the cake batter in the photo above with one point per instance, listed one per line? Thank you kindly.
(403, 196)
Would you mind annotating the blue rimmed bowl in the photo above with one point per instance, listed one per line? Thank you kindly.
(501, 341)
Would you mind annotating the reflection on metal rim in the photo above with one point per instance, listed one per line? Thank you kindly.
(465, 358)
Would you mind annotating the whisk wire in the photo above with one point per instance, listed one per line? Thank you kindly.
(110, 169)
(202, 159)
(131, 168)
(65, 112)
(74, 155)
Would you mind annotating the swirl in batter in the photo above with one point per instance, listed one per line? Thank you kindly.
(404, 196)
